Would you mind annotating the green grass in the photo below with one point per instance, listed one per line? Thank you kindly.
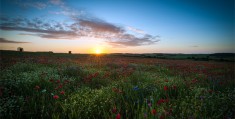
(134, 91)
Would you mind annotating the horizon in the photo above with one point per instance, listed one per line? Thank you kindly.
(118, 52)
(118, 26)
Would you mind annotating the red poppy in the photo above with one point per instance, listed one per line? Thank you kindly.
(55, 96)
(166, 100)
(210, 91)
(66, 81)
(58, 81)
(114, 110)
(160, 101)
(62, 92)
(37, 87)
(118, 116)
(60, 86)
(165, 88)
(162, 116)
(51, 80)
(171, 110)
(154, 112)
(174, 87)
(96, 74)
(1, 91)
(221, 83)
(194, 80)
(117, 90)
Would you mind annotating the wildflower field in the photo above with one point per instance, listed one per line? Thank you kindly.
(115, 87)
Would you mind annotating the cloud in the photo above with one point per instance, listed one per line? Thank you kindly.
(51, 33)
(100, 26)
(30, 4)
(113, 34)
(56, 2)
(82, 24)
(136, 30)
(131, 40)
(3, 40)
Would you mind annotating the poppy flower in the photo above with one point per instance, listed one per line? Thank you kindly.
(62, 92)
(60, 86)
(55, 96)
(165, 88)
(160, 101)
(58, 81)
(114, 110)
(166, 100)
(37, 87)
(221, 83)
(1, 91)
(66, 81)
(154, 112)
(194, 80)
(51, 80)
(162, 117)
(210, 91)
(170, 111)
(96, 74)
(118, 116)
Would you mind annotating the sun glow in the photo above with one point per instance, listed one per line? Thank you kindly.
(98, 51)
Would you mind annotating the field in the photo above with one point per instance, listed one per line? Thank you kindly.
(61, 86)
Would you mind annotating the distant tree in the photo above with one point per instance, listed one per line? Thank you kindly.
(221, 59)
(20, 49)
(208, 57)
(70, 52)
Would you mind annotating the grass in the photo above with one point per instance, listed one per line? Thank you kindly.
(105, 87)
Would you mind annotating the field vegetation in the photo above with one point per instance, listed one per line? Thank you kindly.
(67, 86)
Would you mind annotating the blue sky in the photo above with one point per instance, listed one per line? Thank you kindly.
(126, 26)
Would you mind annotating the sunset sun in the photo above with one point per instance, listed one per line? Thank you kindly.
(97, 51)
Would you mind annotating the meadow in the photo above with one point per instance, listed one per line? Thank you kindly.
(114, 87)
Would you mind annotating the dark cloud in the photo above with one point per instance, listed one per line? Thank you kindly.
(115, 35)
(51, 34)
(100, 26)
(131, 40)
(3, 40)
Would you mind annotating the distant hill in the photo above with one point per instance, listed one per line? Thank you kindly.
(223, 54)
(228, 57)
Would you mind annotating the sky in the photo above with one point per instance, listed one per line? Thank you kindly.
(118, 26)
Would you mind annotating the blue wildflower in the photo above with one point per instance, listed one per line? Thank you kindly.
(136, 88)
